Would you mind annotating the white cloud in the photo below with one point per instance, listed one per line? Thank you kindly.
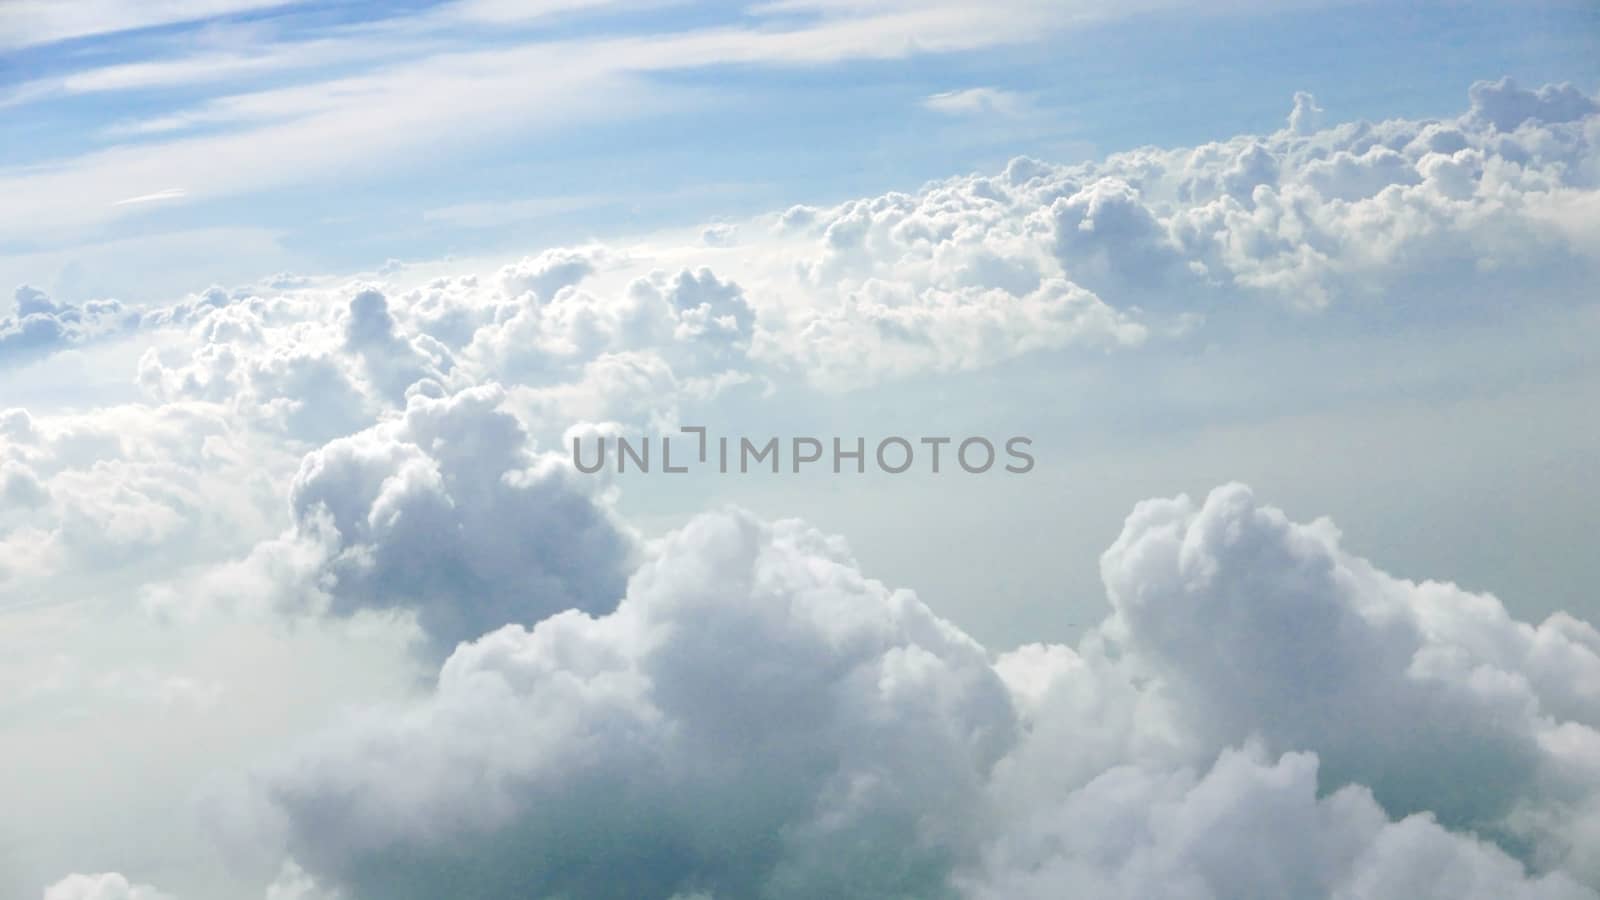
(758, 718)
(847, 752)
(977, 101)
(113, 491)
(414, 86)
(971, 271)
(168, 194)
(41, 326)
(105, 886)
(1249, 827)
(30, 22)
(1506, 106)
(447, 514)
(1410, 689)
(294, 884)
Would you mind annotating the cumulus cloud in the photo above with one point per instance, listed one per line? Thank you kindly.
(1438, 215)
(1248, 827)
(756, 718)
(41, 326)
(1306, 217)
(392, 362)
(91, 496)
(547, 273)
(720, 234)
(447, 513)
(285, 364)
(1506, 106)
(692, 318)
(1412, 689)
(1306, 117)
(105, 886)
(1262, 714)
(293, 883)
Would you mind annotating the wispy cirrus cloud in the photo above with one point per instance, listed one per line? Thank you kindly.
(168, 194)
(33, 22)
(978, 101)
(357, 99)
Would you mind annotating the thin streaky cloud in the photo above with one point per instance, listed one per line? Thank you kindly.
(168, 194)
(977, 101)
(291, 133)
(33, 22)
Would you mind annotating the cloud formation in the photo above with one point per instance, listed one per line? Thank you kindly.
(976, 101)
(104, 886)
(1437, 218)
(737, 709)
(445, 512)
(1261, 715)
(40, 326)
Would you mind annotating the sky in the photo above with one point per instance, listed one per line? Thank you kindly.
(307, 304)
(225, 141)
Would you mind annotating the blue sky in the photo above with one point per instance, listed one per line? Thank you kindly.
(662, 118)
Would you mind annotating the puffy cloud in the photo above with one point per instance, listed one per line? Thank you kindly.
(613, 388)
(623, 355)
(105, 886)
(1259, 627)
(293, 883)
(303, 392)
(546, 274)
(41, 326)
(885, 332)
(1249, 827)
(953, 278)
(89, 497)
(393, 363)
(755, 719)
(1306, 117)
(720, 234)
(282, 363)
(708, 309)
(1506, 106)
(692, 318)
(450, 310)
(1109, 241)
(270, 362)
(1308, 216)
(20, 488)
(1261, 715)
(447, 513)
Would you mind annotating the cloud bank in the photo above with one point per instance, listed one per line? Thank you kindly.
(963, 274)
(1261, 714)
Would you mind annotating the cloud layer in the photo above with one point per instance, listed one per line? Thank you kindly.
(737, 709)
(963, 274)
